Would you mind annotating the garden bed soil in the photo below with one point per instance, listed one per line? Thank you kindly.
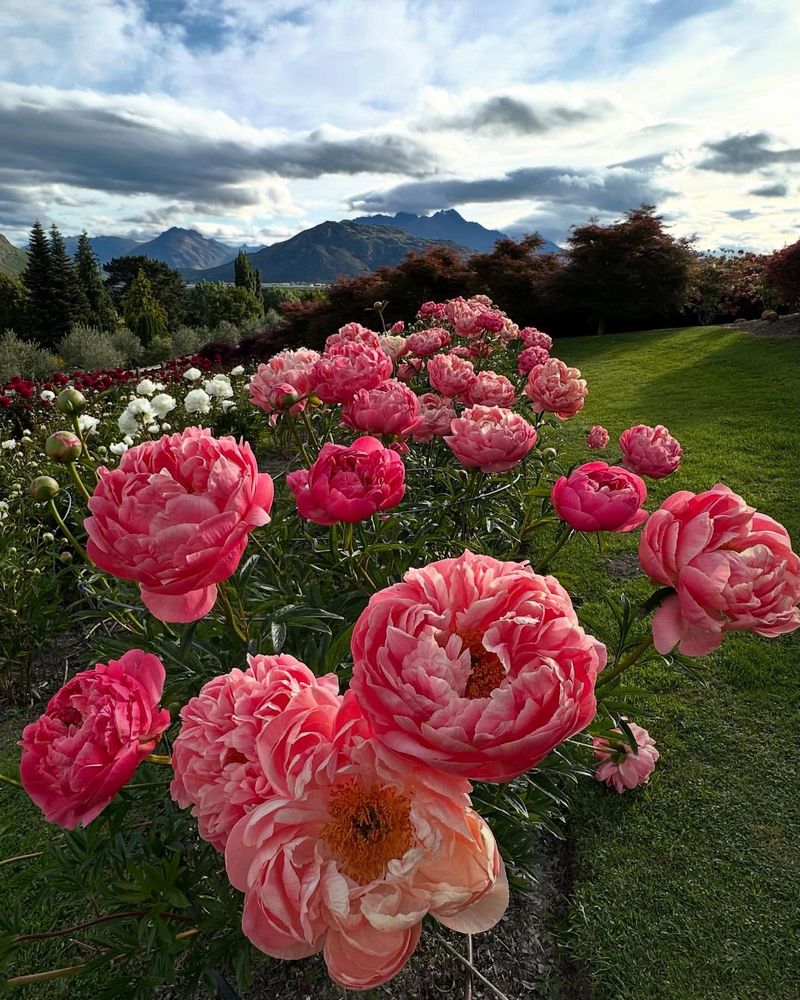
(785, 327)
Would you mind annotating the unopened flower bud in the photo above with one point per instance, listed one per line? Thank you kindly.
(63, 446)
(65, 556)
(378, 306)
(548, 454)
(71, 402)
(48, 536)
(44, 488)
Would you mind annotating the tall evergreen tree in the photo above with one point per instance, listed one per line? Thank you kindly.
(68, 304)
(143, 313)
(245, 275)
(167, 285)
(101, 309)
(36, 278)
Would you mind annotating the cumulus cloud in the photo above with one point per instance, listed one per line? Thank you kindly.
(770, 191)
(743, 153)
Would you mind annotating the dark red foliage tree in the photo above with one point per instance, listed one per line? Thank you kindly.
(783, 275)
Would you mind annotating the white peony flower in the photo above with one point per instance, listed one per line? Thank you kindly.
(153, 429)
(238, 370)
(163, 404)
(9, 445)
(128, 423)
(87, 424)
(142, 409)
(219, 387)
(166, 427)
(228, 404)
(119, 448)
(47, 395)
(192, 374)
(146, 387)
(197, 401)
(128, 440)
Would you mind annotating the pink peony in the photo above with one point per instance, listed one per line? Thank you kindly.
(427, 342)
(476, 666)
(436, 415)
(464, 313)
(491, 389)
(650, 451)
(175, 515)
(409, 369)
(555, 388)
(216, 754)
(394, 346)
(349, 483)
(397, 327)
(389, 408)
(451, 375)
(93, 735)
(289, 368)
(352, 333)
(347, 367)
(351, 867)
(733, 570)
(490, 438)
(432, 310)
(597, 437)
(530, 358)
(621, 768)
(600, 497)
(490, 321)
(531, 337)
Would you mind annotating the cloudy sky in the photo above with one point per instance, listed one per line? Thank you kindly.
(253, 119)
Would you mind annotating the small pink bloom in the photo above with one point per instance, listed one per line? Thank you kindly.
(94, 733)
(389, 408)
(650, 451)
(409, 369)
(530, 358)
(490, 438)
(349, 483)
(352, 333)
(733, 569)
(553, 387)
(475, 666)
(292, 368)
(175, 516)
(451, 375)
(600, 497)
(491, 389)
(427, 342)
(432, 310)
(436, 415)
(461, 352)
(397, 327)
(597, 437)
(531, 337)
(621, 768)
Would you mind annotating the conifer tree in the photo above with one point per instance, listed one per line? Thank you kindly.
(101, 309)
(68, 304)
(245, 275)
(36, 278)
(143, 314)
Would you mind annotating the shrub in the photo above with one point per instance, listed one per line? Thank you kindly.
(89, 348)
(21, 357)
(782, 273)
(769, 315)
(189, 340)
(128, 345)
(225, 333)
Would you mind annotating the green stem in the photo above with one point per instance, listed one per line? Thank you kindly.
(627, 661)
(76, 478)
(77, 546)
(230, 617)
(79, 432)
(10, 781)
(561, 540)
(309, 427)
(289, 417)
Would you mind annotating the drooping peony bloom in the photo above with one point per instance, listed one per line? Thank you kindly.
(733, 570)
(93, 735)
(347, 367)
(436, 415)
(351, 867)
(389, 408)
(555, 388)
(620, 767)
(289, 368)
(650, 451)
(490, 438)
(531, 337)
(216, 755)
(476, 666)
(175, 515)
(427, 342)
(600, 497)
(530, 358)
(491, 389)
(353, 333)
(349, 483)
(451, 375)
(597, 437)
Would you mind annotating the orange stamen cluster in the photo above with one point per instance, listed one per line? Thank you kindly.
(487, 670)
(367, 828)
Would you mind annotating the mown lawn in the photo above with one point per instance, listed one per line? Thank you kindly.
(689, 889)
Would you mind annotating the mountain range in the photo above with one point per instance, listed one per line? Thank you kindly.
(444, 225)
(180, 248)
(12, 259)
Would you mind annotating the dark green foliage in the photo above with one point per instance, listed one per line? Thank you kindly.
(102, 313)
(144, 315)
(13, 297)
(68, 304)
(167, 285)
(245, 275)
(36, 278)
(215, 302)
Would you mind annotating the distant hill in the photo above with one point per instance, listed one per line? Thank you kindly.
(184, 248)
(329, 251)
(106, 248)
(12, 259)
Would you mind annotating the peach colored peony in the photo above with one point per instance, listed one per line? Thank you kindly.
(436, 415)
(620, 767)
(93, 735)
(531, 337)
(352, 333)
(478, 667)
(348, 366)
(597, 437)
(733, 570)
(650, 451)
(451, 375)
(394, 346)
(216, 754)
(289, 368)
(175, 515)
(490, 438)
(552, 387)
(353, 866)
(491, 389)
(389, 408)
(427, 342)
(600, 497)
(349, 483)
(530, 358)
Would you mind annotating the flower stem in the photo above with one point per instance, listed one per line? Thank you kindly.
(159, 758)
(561, 540)
(309, 427)
(464, 961)
(76, 545)
(76, 478)
(627, 661)
(10, 781)
(230, 616)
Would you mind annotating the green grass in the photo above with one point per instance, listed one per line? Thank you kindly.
(688, 888)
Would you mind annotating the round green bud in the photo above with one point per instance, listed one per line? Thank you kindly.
(44, 488)
(548, 454)
(71, 402)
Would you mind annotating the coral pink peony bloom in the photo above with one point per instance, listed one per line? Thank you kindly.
(352, 333)
(175, 515)
(409, 369)
(432, 310)
(451, 375)
(530, 358)
(491, 389)
(289, 368)
(353, 866)
(347, 367)
(600, 497)
(490, 321)
(476, 666)
(92, 737)
(216, 754)
(428, 342)
(621, 768)
(389, 408)
(555, 388)
(349, 483)
(733, 570)
(650, 451)
(531, 337)
(397, 327)
(597, 437)
(436, 415)
(490, 438)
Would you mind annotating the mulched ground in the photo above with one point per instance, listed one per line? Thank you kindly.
(785, 327)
